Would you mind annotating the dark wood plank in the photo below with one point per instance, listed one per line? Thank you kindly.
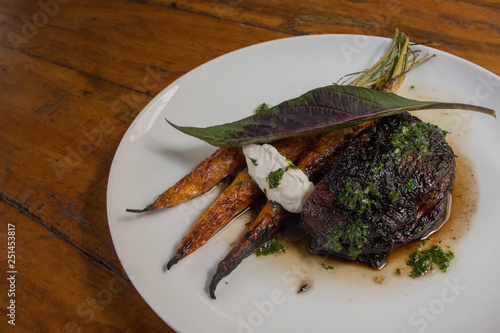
(57, 140)
(57, 288)
(468, 29)
(72, 78)
(118, 40)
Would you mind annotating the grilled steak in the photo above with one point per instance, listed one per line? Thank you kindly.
(388, 187)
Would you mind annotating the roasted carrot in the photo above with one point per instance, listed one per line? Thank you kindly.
(240, 194)
(265, 226)
(292, 148)
(211, 171)
(236, 198)
(313, 161)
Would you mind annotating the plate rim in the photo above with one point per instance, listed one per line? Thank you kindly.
(169, 321)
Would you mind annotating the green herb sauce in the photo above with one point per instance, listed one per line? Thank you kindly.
(411, 136)
(260, 108)
(410, 184)
(376, 171)
(414, 135)
(427, 260)
(333, 240)
(329, 267)
(274, 177)
(355, 235)
(269, 247)
(394, 196)
(362, 203)
(356, 199)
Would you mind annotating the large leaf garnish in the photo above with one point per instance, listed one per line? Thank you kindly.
(318, 110)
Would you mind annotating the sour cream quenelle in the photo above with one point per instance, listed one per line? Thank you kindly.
(277, 177)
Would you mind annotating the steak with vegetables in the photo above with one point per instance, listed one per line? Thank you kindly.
(380, 189)
(388, 187)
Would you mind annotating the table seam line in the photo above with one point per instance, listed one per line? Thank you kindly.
(22, 209)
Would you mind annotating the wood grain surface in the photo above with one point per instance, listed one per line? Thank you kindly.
(74, 74)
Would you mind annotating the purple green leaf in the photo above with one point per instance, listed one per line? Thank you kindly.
(318, 110)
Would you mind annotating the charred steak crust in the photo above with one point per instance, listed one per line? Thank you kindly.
(387, 188)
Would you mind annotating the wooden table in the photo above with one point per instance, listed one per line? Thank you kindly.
(74, 74)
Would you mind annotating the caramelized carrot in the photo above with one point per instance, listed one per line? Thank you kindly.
(313, 161)
(211, 171)
(240, 194)
(265, 226)
(236, 198)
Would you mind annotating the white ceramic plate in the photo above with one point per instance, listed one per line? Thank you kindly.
(261, 294)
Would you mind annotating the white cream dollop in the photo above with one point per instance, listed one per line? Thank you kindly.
(294, 186)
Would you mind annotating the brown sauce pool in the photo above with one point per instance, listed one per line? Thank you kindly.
(464, 199)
